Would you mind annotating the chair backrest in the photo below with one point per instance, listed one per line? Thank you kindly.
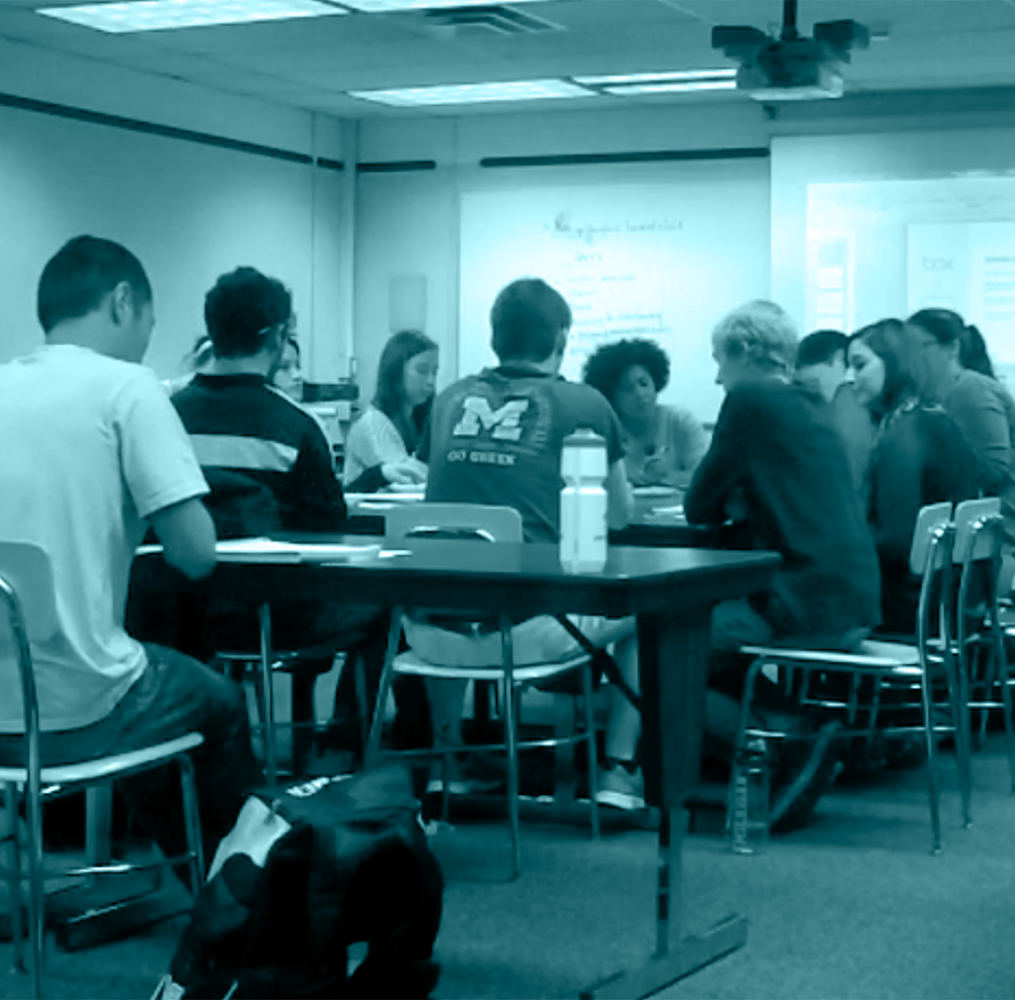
(455, 520)
(976, 535)
(26, 569)
(929, 521)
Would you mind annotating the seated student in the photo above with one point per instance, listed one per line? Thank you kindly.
(288, 377)
(662, 444)
(383, 444)
(821, 367)
(519, 413)
(980, 405)
(778, 466)
(93, 454)
(920, 458)
(269, 467)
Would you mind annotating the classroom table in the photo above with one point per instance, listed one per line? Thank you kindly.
(655, 522)
(671, 591)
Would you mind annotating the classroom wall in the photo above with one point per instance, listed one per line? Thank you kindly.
(408, 222)
(189, 208)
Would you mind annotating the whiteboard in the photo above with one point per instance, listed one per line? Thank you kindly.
(663, 260)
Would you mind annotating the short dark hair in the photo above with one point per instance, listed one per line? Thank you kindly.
(889, 341)
(820, 347)
(606, 367)
(527, 319)
(406, 344)
(241, 308)
(81, 274)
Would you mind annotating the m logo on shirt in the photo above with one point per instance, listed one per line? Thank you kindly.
(504, 423)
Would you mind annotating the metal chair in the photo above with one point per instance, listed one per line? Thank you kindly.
(916, 670)
(490, 524)
(28, 592)
(979, 636)
(259, 668)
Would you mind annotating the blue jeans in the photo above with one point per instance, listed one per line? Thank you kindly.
(175, 695)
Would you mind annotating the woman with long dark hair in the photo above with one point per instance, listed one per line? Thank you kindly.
(954, 370)
(383, 444)
(919, 458)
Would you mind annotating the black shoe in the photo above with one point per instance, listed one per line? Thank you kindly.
(803, 778)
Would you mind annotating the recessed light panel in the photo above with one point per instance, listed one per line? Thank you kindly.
(389, 6)
(159, 15)
(680, 87)
(675, 76)
(475, 93)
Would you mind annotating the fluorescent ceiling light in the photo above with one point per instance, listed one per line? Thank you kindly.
(387, 6)
(675, 76)
(475, 93)
(682, 87)
(158, 15)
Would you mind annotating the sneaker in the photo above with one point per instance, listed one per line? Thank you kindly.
(621, 788)
(803, 779)
(468, 774)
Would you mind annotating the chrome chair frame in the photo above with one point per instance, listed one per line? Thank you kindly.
(494, 524)
(979, 636)
(28, 593)
(890, 663)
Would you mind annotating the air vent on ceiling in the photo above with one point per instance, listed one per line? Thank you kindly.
(502, 20)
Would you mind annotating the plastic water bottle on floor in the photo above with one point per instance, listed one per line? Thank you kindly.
(749, 820)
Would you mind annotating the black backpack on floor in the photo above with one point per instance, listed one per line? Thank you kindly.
(307, 871)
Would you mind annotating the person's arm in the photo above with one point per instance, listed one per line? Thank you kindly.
(980, 416)
(724, 467)
(374, 443)
(187, 534)
(620, 499)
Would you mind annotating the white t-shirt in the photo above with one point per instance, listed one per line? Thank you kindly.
(89, 448)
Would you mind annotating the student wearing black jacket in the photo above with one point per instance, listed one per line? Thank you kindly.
(777, 466)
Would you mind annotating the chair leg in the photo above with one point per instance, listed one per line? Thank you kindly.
(931, 741)
(372, 749)
(192, 824)
(17, 901)
(36, 890)
(958, 699)
(267, 696)
(511, 740)
(592, 751)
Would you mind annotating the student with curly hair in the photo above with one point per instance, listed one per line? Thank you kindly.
(662, 444)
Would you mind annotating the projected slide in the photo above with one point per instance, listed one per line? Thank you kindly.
(968, 267)
(887, 248)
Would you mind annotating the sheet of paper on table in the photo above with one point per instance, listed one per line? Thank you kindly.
(262, 550)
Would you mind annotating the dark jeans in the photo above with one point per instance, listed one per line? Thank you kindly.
(174, 696)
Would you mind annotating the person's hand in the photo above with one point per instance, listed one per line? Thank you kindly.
(408, 471)
(736, 505)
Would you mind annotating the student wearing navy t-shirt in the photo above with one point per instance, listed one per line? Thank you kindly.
(497, 438)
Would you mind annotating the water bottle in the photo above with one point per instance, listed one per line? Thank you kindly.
(583, 503)
(749, 821)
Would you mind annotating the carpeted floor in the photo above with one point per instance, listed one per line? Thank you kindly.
(852, 907)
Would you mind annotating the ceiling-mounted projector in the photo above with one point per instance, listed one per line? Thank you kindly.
(791, 67)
